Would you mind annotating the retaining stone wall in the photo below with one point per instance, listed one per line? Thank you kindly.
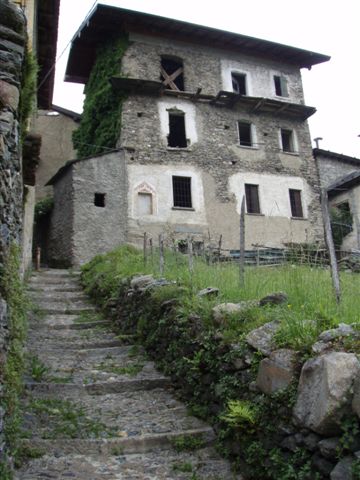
(12, 48)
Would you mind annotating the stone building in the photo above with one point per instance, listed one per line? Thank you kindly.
(340, 175)
(207, 117)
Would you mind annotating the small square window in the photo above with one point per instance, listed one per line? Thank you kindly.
(280, 84)
(252, 198)
(245, 134)
(182, 192)
(239, 83)
(99, 199)
(295, 203)
(287, 140)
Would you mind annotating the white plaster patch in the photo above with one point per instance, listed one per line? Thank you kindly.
(273, 192)
(160, 178)
(231, 66)
(190, 118)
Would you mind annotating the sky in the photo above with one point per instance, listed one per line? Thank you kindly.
(330, 27)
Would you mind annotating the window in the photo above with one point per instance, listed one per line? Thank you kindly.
(177, 134)
(172, 73)
(245, 134)
(287, 140)
(280, 86)
(239, 83)
(99, 199)
(295, 203)
(182, 192)
(144, 203)
(252, 198)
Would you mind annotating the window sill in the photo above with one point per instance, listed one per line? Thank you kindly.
(178, 149)
(248, 148)
(255, 214)
(188, 209)
(298, 218)
(294, 154)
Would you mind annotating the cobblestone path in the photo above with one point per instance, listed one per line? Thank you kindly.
(96, 408)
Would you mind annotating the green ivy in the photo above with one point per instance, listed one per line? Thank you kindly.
(12, 290)
(43, 207)
(30, 70)
(100, 124)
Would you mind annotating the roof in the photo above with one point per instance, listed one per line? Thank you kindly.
(336, 156)
(106, 21)
(344, 183)
(68, 164)
(47, 31)
(68, 113)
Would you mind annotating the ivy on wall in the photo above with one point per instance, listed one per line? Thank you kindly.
(100, 124)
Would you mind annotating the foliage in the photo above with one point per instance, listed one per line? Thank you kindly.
(185, 443)
(100, 123)
(28, 90)
(43, 207)
(12, 290)
(240, 414)
(341, 223)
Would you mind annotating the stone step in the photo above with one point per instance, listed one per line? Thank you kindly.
(66, 321)
(54, 295)
(58, 308)
(58, 272)
(53, 280)
(136, 444)
(203, 464)
(63, 287)
(37, 345)
(67, 390)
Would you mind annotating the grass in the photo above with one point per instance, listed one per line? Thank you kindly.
(110, 367)
(311, 306)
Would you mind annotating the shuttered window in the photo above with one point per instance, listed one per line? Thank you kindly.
(295, 203)
(252, 198)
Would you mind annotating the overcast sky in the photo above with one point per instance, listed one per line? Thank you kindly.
(330, 27)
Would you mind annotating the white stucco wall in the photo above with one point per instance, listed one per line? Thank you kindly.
(158, 179)
(273, 192)
(190, 118)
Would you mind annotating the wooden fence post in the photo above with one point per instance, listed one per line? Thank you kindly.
(242, 244)
(330, 244)
(161, 253)
(38, 258)
(145, 249)
(190, 252)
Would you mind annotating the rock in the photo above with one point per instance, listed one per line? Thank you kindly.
(274, 299)
(221, 311)
(141, 281)
(328, 447)
(9, 95)
(311, 441)
(276, 372)
(262, 338)
(343, 330)
(320, 347)
(322, 465)
(324, 391)
(208, 292)
(289, 443)
(239, 364)
(343, 469)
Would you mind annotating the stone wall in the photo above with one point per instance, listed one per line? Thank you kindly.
(88, 229)
(332, 169)
(12, 45)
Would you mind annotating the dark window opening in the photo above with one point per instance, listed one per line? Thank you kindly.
(172, 73)
(239, 83)
(341, 222)
(252, 198)
(182, 192)
(245, 134)
(287, 140)
(177, 134)
(295, 203)
(99, 199)
(280, 86)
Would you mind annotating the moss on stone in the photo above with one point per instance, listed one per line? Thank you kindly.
(100, 124)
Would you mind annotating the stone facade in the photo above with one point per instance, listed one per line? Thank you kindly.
(333, 166)
(216, 162)
(12, 47)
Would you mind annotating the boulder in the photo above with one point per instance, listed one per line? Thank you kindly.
(356, 397)
(328, 447)
(276, 372)
(221, 311)
(9, 95)
(322, 465)
(324, 391)
(262, 338)
(343, 469)
(208, 292)
(141, 281)
(343, 330)
(274, 299)
(311, 441)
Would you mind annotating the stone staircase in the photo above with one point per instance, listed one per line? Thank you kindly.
(96, 408)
